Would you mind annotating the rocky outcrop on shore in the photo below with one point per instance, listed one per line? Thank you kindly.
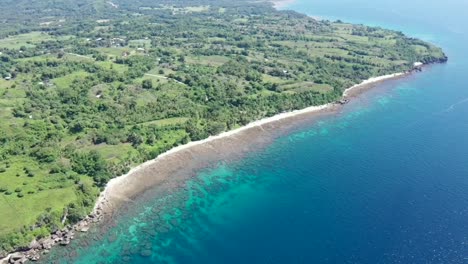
(63, 237)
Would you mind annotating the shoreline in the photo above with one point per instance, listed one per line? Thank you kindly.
(112, 192)
(124, 188)
(372, 81)
(113, 183)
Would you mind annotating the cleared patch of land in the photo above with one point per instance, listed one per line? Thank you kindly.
(103, 87)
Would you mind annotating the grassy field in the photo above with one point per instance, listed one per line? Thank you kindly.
(24, 40)
(23, 198)
(167, 121)
(306, 86)
(80, 111)
(114, 153)
(140, 43)
(18, 212)
(66, 81)
(155, 78)
(272, 79)
(24, 193)
(4, 83)
(114, 51)
(207, 60)
(27, 40)
(111, 65)
(155, 71)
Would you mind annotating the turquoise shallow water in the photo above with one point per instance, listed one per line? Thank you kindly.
(383, 181)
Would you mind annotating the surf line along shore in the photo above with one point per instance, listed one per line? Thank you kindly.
(125, 188)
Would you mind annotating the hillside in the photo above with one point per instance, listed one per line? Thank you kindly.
(92, 88)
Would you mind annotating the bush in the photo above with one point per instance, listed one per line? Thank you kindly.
(46, 154)
(75, 212)
(20, 195)
(2, 170)
(147, 84)
(55, 169)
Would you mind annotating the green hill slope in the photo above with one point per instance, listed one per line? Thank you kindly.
(91, 88)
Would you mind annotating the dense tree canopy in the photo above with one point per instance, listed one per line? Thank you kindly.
(90, 88)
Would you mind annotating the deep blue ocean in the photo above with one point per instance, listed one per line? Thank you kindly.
(383, 181)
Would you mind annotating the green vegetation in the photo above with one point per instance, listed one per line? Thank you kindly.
(90, 88)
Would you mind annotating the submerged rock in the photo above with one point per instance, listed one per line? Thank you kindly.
(64, 242)
(145, 253)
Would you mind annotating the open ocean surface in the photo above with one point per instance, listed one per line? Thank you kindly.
(383, 181)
